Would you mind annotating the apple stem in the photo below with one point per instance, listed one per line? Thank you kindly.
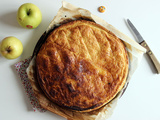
(28, 12)
(8, 49)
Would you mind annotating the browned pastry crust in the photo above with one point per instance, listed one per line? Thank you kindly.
(82, 66)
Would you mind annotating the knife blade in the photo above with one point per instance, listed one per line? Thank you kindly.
(143, 43)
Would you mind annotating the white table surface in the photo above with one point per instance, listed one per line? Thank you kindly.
(141, 100)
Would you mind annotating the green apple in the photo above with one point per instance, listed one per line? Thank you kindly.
(11, 47)
(29, 16)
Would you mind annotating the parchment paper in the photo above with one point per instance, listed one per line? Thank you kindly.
(135, 52)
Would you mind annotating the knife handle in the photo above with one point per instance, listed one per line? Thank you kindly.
(152, 56)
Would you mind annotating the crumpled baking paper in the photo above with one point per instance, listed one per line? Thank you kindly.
(135, 52)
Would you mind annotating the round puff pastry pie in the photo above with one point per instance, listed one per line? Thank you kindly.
(81, 66)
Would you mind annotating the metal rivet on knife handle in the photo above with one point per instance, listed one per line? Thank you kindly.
(145, 45)
(150, 52)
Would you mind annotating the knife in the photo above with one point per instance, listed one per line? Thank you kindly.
(143, 43)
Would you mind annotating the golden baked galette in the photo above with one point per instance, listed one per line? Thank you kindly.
(81, 66)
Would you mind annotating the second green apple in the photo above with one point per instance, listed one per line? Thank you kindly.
(29, 16)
